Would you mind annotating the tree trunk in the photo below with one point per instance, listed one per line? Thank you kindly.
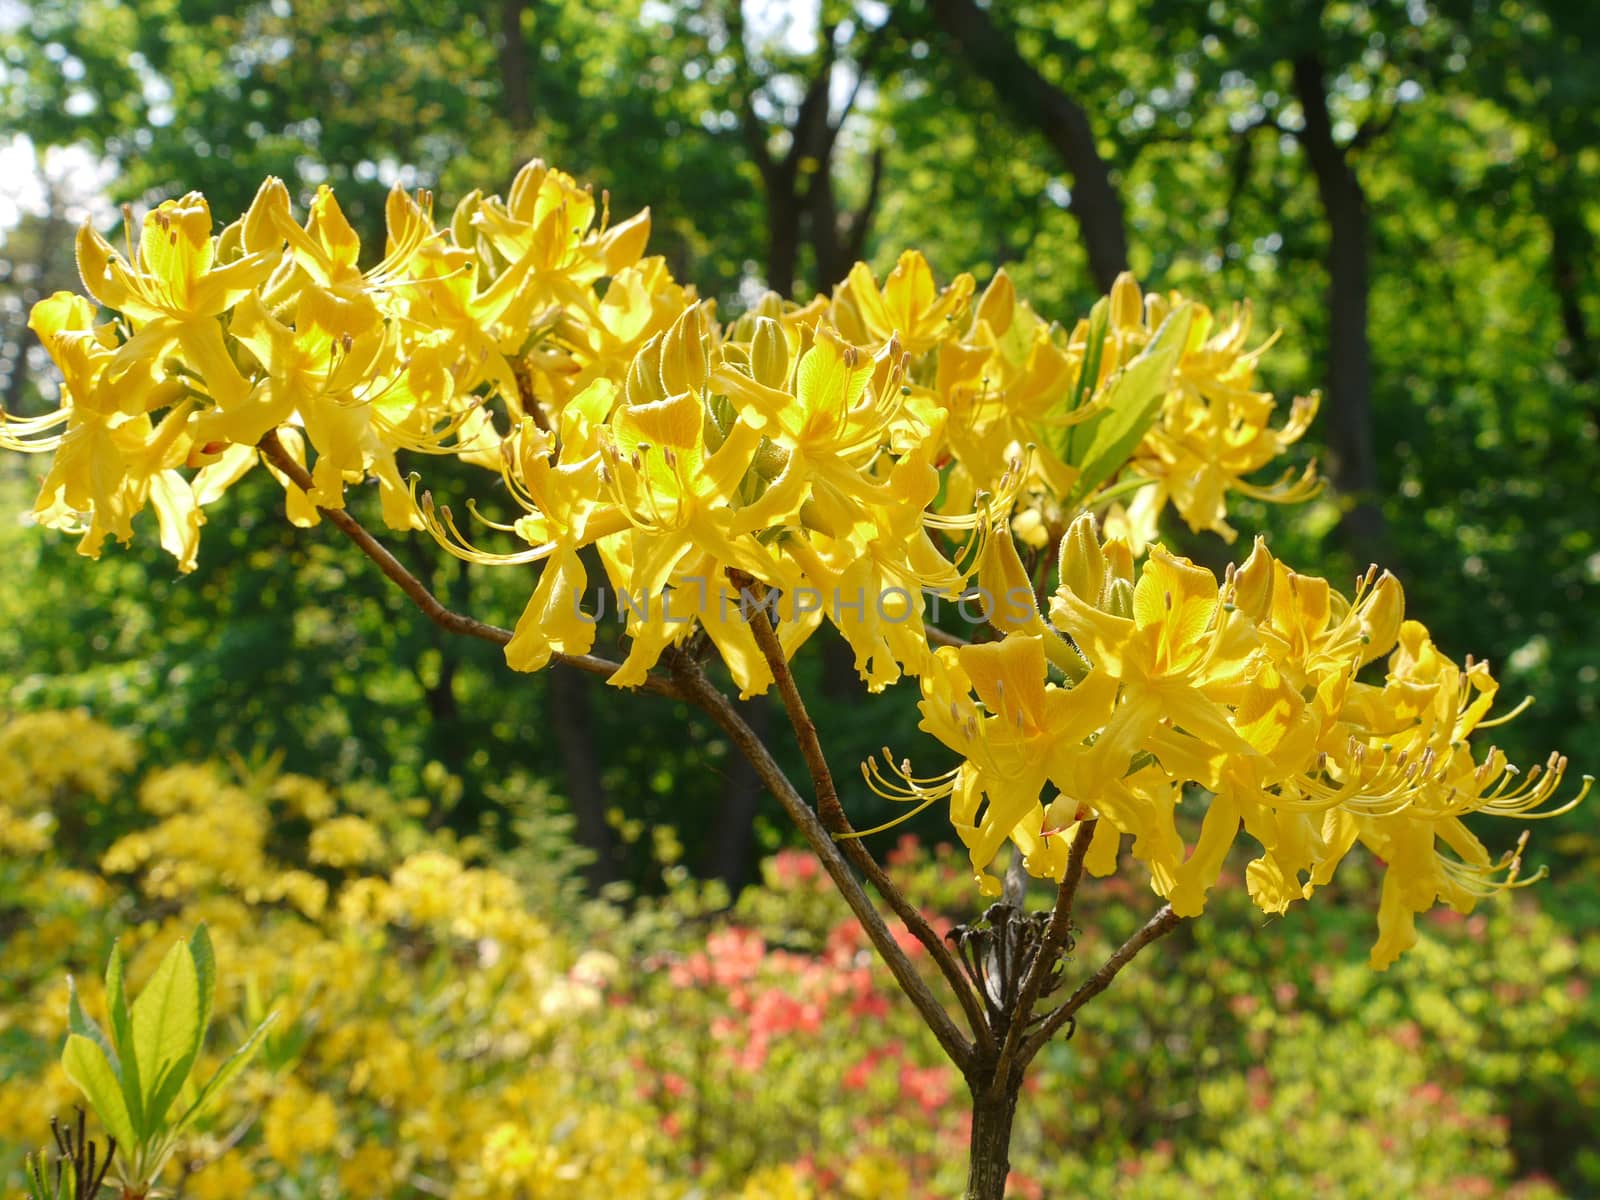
(570, 716)
(1035, 101)
(1354, 466)
(515, 80)
(990, 1146)
(783, 235)
(838, 239)
(1569, 255)
(731, 849)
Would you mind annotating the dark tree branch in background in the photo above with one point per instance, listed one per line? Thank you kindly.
(1571, 251)
(1354, 466)
(798, 187)
(1061, 120)
(1239, 175)
(838, 240)
(516, 81)
(730, 850)
(1374, 127)
(572, 721)
(859, 225)
(781, 177)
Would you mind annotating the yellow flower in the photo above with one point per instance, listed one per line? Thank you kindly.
(226, 1178)
(298, 1124)
(1173, 645)
(175, 274)
(346, 842)
(1214, 429)
(112, 459)
(1020, 733)
(368, 1171)
(175, 289)
(908, 305)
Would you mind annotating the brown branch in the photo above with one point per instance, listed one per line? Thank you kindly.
(697, 689)
(865, 61)
(515, 79)
(1243, 161)
(855, 234)
(1044, 959)
(750, 126)
(813, 133)
(1374, 127)
(272, 450)
(991, 52)
(1163, 923)
(1347, 416)
(838, 824)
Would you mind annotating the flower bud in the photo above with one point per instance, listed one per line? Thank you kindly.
(769, 354)
(998, 303)
(1119, 599)
(1252, 584)
(644, 375)
(1083, 566)
(685, 363)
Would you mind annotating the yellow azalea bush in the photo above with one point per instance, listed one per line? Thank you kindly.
(515, 1045)
(870, 460)
(422, 1011)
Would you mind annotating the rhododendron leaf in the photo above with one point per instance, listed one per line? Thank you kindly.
(230, 1067)
(122, 1038)
(205, 969)
(87, 1066)
(1136, 395)
(166, 1031)
(82, 1024)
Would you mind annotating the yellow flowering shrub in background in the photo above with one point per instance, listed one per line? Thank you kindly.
(451, 1022)
(420, 1009)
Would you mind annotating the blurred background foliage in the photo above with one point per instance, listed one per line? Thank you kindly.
(1407, 191)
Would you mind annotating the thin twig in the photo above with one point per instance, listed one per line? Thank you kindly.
(838, 824)
(1044, 960)
(272, 449)
(697, 689)
(941, 638)
(1163, 923)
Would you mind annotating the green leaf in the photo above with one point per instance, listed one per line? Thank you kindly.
(87, 1066)
(1064, 440)
(205, 968)
(1136, 395)
(172, 1077)
(230, 1067)
(122, 1038)
(166, 1032)
(82, 1024)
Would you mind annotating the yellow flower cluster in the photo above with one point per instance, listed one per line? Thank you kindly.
(852, 453)
(859, 457)
(1248, 693)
